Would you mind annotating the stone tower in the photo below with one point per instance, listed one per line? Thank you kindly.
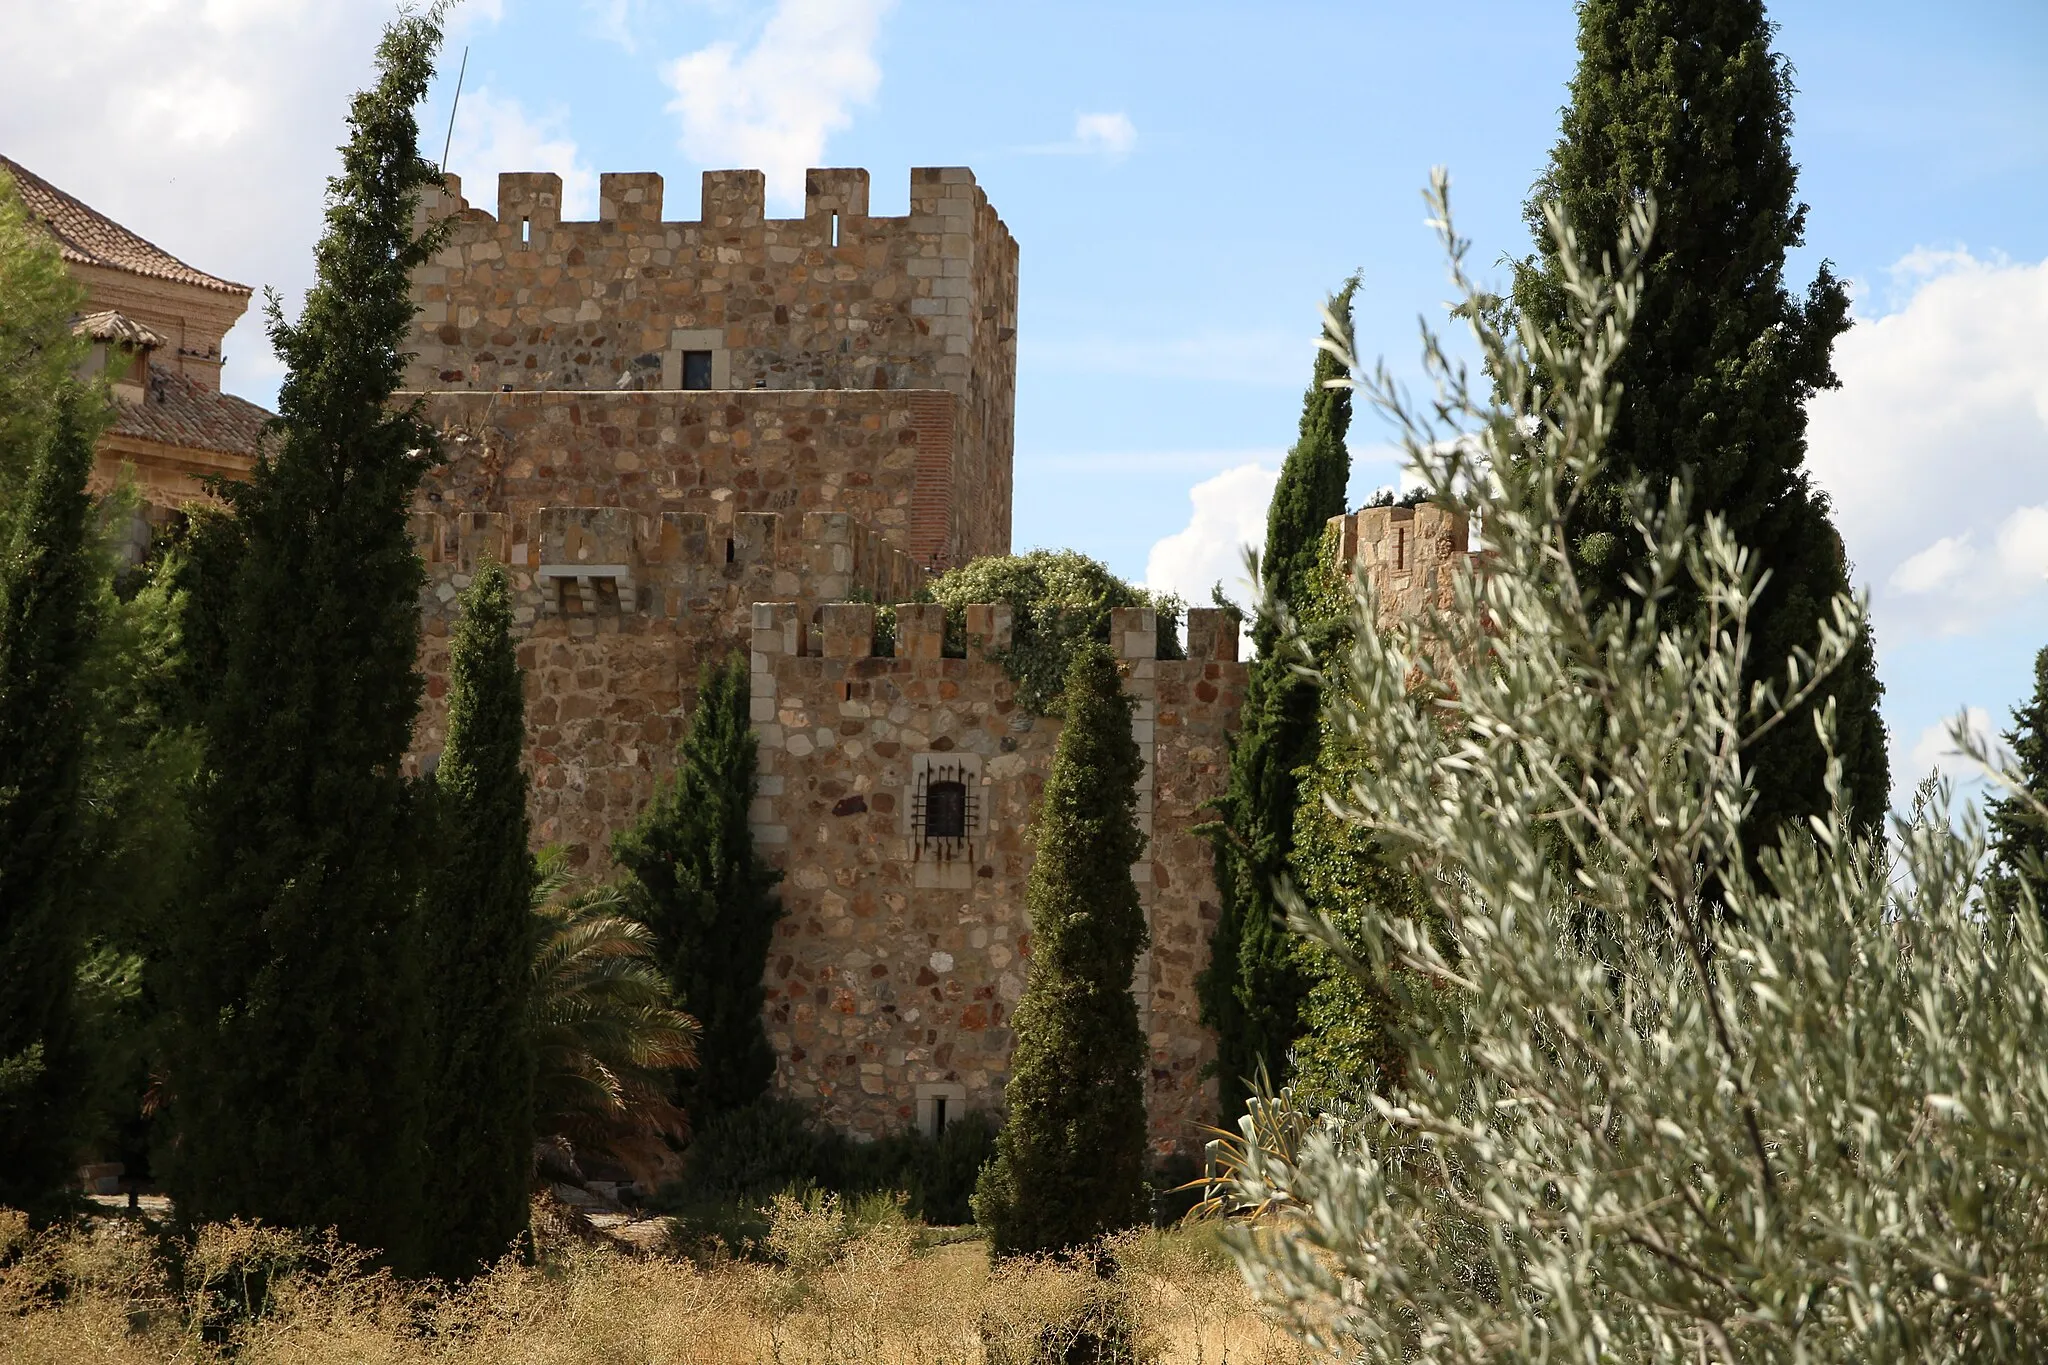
(733, 433)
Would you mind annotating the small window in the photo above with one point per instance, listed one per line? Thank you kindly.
(696, 369)
(525, 229)
(835, 229)
(939, 1104)
(945, 810)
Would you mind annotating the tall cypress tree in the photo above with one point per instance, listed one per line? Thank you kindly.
(46, 628)
(1684, 100)
(1252, 988)
(47, 621)
(295, 1077)
(478, 941)
(1070, 1159)
(708, 895)
(2019, 840)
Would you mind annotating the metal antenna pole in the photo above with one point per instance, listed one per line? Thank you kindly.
(453, 106)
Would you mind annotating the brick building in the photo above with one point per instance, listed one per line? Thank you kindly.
(156, 326)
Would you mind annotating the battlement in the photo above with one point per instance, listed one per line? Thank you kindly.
(1408, 554)
(573, 560)
(846, 630)
(909, 320)
(836, 298)
(532, 200)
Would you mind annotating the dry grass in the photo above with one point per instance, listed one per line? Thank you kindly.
(869, 1292)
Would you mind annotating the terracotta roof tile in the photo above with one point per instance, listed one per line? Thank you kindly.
(177, 412)
(113, 326)
(89, 237)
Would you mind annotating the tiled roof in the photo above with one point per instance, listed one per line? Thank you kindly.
(89, 237)
(113, 326)
(175, 411)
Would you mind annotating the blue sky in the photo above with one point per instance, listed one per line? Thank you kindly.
(1185, 182)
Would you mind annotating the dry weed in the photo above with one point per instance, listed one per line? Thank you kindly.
(847, 1287)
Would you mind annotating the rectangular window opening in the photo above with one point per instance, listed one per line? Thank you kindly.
(696, 369)
(938, 1115)
(835, 229)
(945, 810)
(728, 550)
(1400, 547)
(526, 229)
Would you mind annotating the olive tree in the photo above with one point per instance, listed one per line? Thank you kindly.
(1655, 1108)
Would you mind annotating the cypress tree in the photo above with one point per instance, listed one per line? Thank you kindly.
(47, 584)
(295, 1078)
(1684, 100)
(709, 897)
(478, 941)
(1070, 1159)
(2019, 840)
(1252, 989)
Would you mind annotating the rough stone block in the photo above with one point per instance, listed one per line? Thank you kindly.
(1135, 630)
(988, 629)
(920, 630)
(849, 630)
(1212, 634)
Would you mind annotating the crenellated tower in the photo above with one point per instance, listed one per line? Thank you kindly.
(738, 433)
(898, 326)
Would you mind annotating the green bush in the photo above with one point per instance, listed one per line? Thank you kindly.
(1059, 600)
(741, 1159)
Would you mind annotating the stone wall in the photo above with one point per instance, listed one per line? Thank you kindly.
(834, 300)
(1410, 555)
(900, 957)
(887, 459)
(618, 610)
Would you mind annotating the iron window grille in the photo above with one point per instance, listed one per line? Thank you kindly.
(945, 810)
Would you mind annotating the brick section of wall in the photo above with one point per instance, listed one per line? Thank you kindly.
(720, 453)
(900, 959)
(618, 611)
(932, 538)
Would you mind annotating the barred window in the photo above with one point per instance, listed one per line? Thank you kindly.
(945, 810)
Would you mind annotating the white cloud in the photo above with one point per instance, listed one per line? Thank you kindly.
(614, 21)
(494, 133)
(1935, 448)
(1936, 566)
(1109, 136)
(2023, 546)
(775, 104)
(220, 137)
(1229, 513)
(1936, 748)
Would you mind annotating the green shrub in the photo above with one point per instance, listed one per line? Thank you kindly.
(739, 1160)
(1059, 600)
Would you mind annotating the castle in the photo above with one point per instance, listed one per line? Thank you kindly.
(732, 433)
(691, 437)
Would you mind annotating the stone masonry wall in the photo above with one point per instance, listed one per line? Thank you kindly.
(884, 458)
(900, 957)
(618, 610)
(1409, 554)
(835, 300)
